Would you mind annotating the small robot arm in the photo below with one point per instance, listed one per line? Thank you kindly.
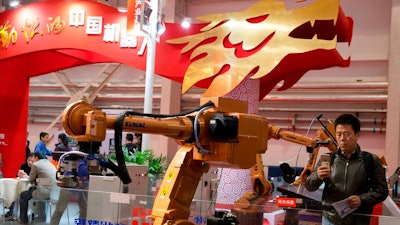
(219, 133)
(326, 139)
(253, 202)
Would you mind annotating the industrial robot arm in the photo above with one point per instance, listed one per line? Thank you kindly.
(220, 133)
(327, 140)
(254, 201)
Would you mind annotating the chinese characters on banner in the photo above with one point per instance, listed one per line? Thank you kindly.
(112, 32)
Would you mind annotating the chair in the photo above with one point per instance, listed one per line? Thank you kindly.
(3, 206)
(52, 200)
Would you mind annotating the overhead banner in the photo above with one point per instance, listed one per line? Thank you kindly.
(284, 43)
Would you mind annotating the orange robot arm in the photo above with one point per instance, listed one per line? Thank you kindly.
(218, 134)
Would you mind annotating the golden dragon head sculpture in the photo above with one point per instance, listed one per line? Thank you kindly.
(256, 42)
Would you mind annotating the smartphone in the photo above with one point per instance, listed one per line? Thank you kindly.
(326, 160)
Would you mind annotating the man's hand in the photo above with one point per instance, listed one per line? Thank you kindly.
(354, 201)
(323, 171)
(22, 174)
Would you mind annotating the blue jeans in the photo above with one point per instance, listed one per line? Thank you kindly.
(325, 221)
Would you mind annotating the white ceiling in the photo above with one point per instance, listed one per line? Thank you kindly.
(360, 89)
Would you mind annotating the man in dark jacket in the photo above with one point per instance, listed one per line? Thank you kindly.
(129, 145)
(362, 185)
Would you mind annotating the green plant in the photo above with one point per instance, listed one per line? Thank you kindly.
(157, 165)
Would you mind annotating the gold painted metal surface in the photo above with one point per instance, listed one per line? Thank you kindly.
(252, 42)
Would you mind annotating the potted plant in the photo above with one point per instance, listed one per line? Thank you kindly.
(157, 164)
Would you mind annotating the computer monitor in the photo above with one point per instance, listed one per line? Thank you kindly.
(112, 144)
(72, 142)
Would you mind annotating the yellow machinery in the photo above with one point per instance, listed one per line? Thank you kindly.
(220, 134)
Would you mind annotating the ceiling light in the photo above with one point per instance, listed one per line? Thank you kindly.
(122, 9)
(186, 22)
(14, 3)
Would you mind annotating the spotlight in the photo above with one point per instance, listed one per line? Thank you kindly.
(122, 9)
(186, 22)
(14, 3)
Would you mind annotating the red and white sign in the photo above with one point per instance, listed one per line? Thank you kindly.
(285, 202)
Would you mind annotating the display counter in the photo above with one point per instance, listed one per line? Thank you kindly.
(385, 213)
(105, 207)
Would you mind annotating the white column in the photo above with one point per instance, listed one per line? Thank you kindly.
(392, 145)
(150, 63)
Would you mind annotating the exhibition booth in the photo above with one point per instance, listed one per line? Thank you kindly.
(51, 35)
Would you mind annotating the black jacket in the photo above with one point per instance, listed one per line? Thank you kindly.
(350, 177)
(130, 147)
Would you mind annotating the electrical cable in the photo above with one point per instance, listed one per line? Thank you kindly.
(61, 159)
(196, 133)
(296, 157)
(151, 115)
(121, 170)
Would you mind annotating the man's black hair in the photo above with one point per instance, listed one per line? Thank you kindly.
(129, 137)
(43, 134)
(348, 119)
(40, 155)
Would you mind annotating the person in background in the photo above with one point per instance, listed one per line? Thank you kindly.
(129, 145)
(27, 148)
(41, 145)
(25, 168)
(350, 176)
(23, 173)
(138, 141)
(43, 169)
(80, 193)
(62, 144)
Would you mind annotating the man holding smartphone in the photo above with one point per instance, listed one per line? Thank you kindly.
(355, 176)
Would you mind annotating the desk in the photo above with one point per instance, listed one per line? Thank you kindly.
(295, 191)
(311, 200)
(10, 188)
